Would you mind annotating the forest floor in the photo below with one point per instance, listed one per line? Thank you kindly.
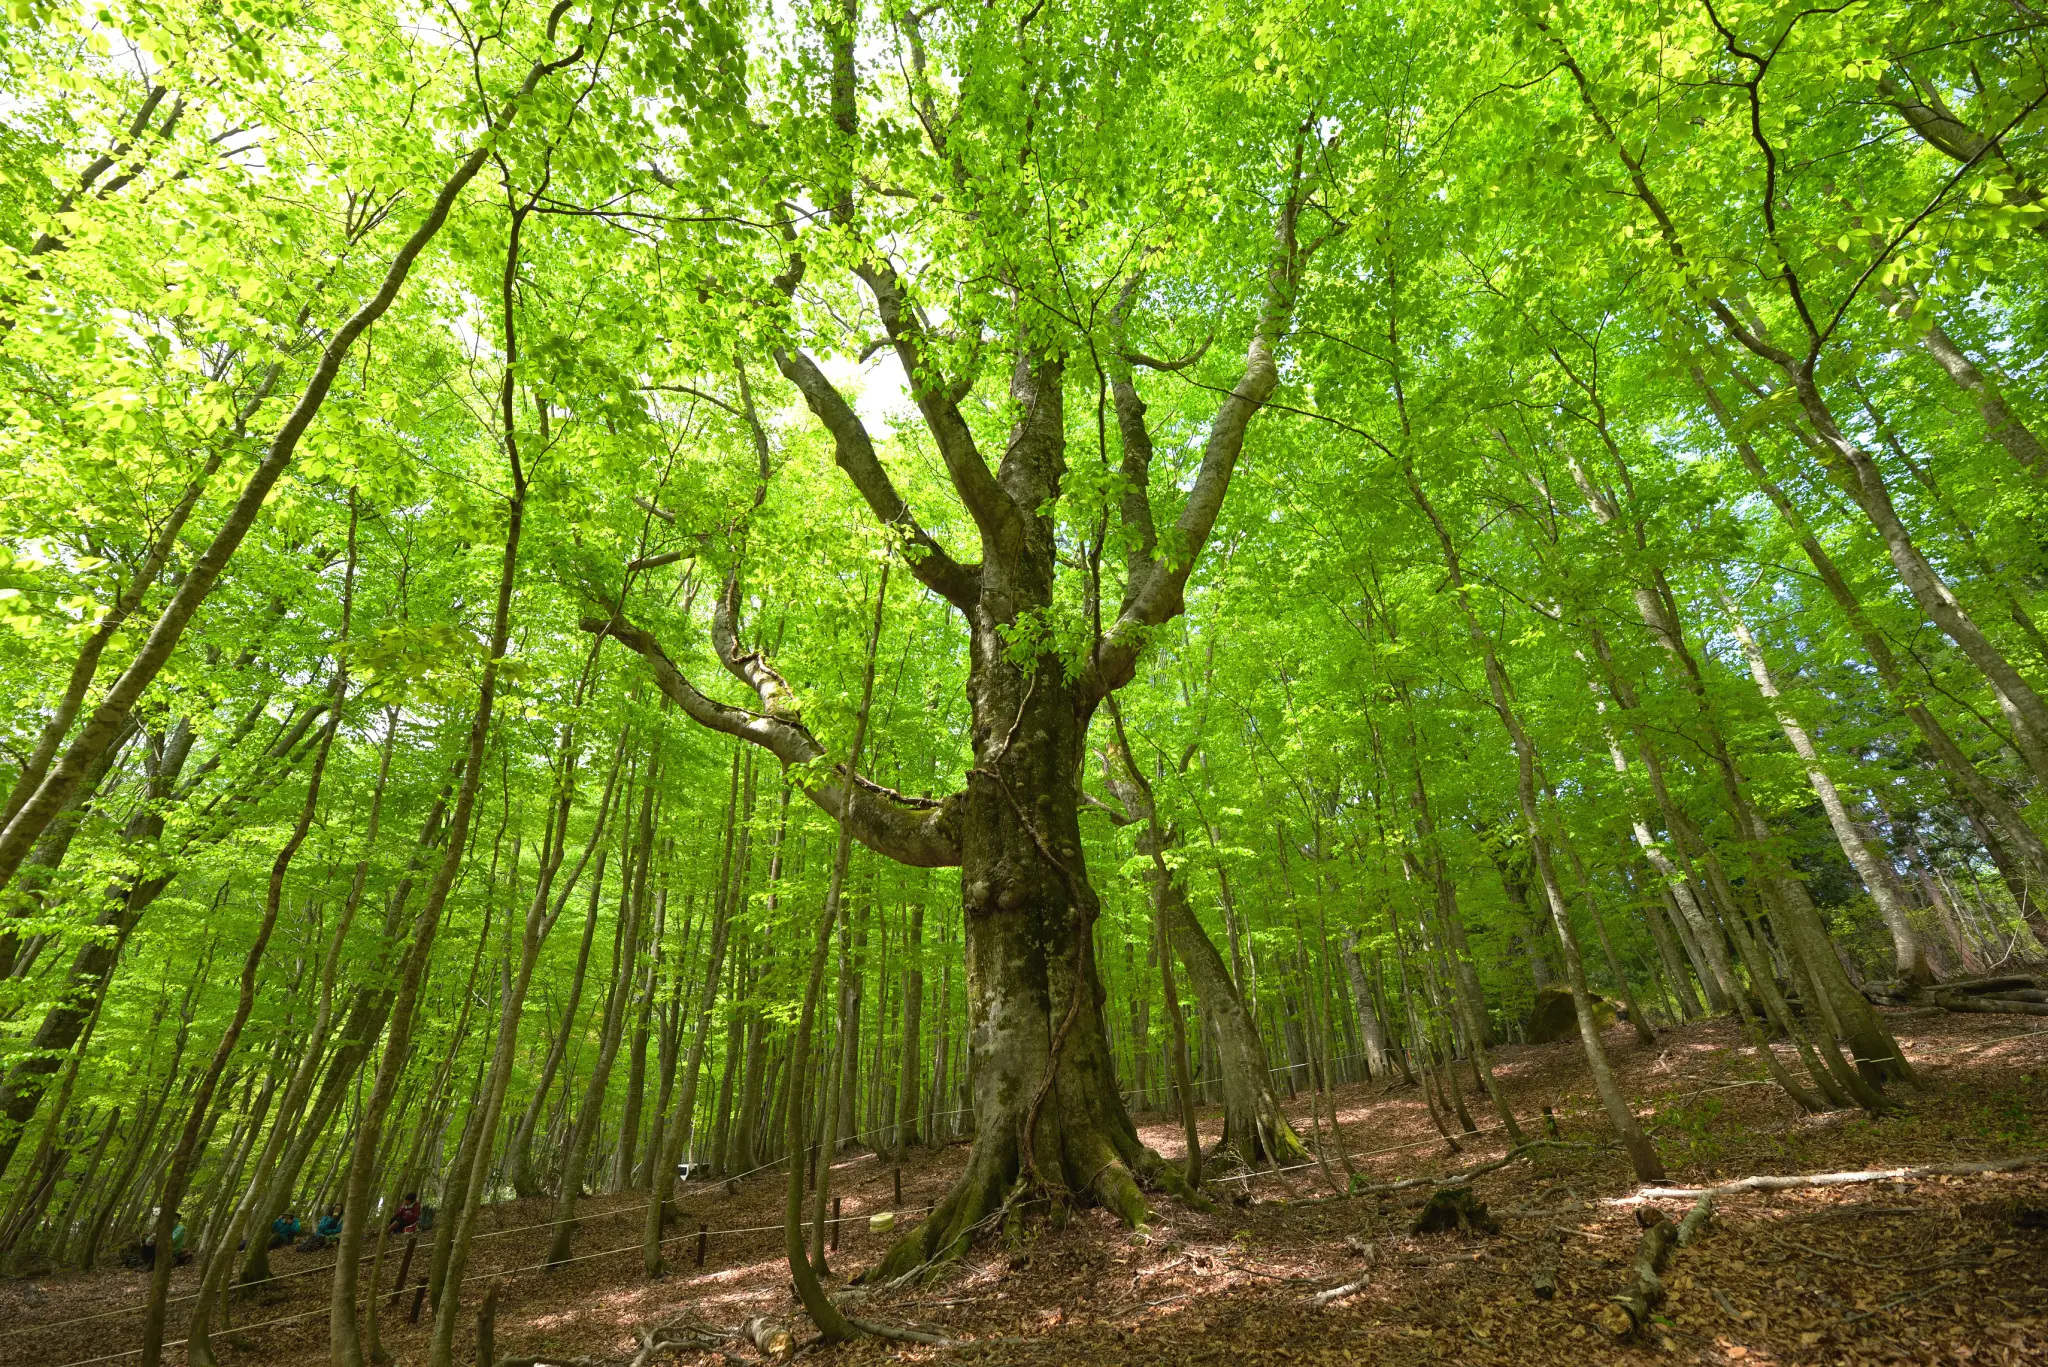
(1927, 1270)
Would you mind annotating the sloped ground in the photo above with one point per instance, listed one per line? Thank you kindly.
(1923, 1271)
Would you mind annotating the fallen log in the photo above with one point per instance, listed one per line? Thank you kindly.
(1988, 1006)
(770, 1337)
(1833, 1179)
(1543, 1280)
(1632, 1308)
(1338, 1293)
(2013, 995)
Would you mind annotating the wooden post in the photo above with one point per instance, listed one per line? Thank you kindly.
(835, 1224)
(1551, 1120)
(486, 1327)
(419, 1298)
(703, 1241)
(404, 1266)
(898, 1203)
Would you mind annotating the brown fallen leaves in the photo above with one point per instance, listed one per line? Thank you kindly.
(1948, 1270)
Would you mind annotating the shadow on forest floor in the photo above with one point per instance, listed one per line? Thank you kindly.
(1882, 1272)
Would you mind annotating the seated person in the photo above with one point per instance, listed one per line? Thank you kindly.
(284, 1229)
(330, 1224)
(407, 1217)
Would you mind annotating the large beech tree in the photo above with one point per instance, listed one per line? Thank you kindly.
(1401, 524)
(1050, 634)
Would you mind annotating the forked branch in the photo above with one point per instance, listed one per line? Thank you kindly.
(914, 833)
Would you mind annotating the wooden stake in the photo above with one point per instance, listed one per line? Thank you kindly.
(835, 1224)
(486, 1327)
(404, 1266)
(419, 1298)
(703, 1241)
(898, 1202)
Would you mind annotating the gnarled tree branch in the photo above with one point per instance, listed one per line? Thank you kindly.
(923, 836)
(854, 452)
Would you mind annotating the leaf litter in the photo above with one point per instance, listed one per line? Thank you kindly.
(1948, 1269)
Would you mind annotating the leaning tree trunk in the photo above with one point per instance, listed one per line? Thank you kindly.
(1253, 1126)
(1254, 1129)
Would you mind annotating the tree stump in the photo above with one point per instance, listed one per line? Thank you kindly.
(1454, 1208)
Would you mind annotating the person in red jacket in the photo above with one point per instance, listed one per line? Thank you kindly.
(407, 1217)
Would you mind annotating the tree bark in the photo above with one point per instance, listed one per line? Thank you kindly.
(1872, 865)
(676, 1138)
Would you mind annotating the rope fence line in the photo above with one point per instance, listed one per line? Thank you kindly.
(697, 1234)
(1243, 1177)
(368, 1257)
(475, 1277)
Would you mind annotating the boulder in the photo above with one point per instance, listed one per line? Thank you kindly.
(1552, 1017)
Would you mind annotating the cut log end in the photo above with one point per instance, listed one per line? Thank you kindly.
(770, 1337)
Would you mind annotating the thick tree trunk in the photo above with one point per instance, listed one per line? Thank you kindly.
(1049, 1122)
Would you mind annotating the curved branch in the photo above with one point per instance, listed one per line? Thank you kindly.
(923, 836)
(1154, 363)
(854, 452)
(1156, 596)
(993, 510)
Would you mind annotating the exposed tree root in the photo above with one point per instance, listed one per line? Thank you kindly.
(1254, 1135)
(898, 1334)
(1105, 1165)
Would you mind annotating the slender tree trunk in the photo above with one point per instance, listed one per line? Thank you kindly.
(677, 1137)
(187, 1153)
(910, 1046)
(1871, 865)
(1642, 1155)
(110, 718)
(570, 1188)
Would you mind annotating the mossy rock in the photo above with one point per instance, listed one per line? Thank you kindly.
(1552, 1016)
